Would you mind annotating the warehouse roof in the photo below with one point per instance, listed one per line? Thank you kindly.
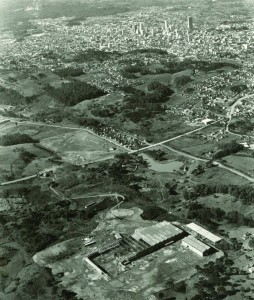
(205, 233)
(192, 241)
(156, 233)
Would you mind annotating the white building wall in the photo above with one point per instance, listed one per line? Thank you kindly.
(197, 251)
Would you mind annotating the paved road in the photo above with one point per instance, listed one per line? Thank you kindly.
(232, 110)
(171, 139)
(141, 149)
(19, 180)
(220, 165)
(100, 195)
(28, 177)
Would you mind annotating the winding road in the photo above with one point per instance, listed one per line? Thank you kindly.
(149, 146)
(220, 165)
(232, 110)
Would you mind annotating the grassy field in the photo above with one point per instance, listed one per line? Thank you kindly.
(244, 164)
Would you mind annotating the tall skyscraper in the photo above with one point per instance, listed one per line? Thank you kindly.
(134, 28)
(166, 26)
(190, 23)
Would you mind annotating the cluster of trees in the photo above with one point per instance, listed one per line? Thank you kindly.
(72, 93)
(54, 115)
(11, 97)
(238, 88)
(209, 216)
(213, 279)
(105, 112)
(16, 138)
(148, 50)
(153, 212)
(140, 105)
(70, 71)
(159, 88)
(182, 80)
(244, 193)
(26, 156)
(242, 126)
(228, 149)
(93, 54)
(122, 171)
(158, 155)
(175, 66)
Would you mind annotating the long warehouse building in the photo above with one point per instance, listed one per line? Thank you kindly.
(196, 246)
(204, 233)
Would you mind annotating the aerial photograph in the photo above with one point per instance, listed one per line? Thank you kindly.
(126, 149)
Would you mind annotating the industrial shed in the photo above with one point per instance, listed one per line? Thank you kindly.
(160, 233)
(204, 233)
(195, 245)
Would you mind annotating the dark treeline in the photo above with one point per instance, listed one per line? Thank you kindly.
(72, 93)
(238, 88)
(209, 216)
(228, 149)
(148, 50)
(242, 126)
(175, 66)
(70, 71)
(140, 105)
(243, 193)
(16, 138)
(94, 54)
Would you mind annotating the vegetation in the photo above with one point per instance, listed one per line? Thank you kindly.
(153, 212)
(228, 149)
(140, 105)
(238, 88)
(93, 54)
(214, 280)
(70, 71)
(11, 97)
(182, 80)
(245, 193)
(16, 138)
(74, 92)
(242, 126)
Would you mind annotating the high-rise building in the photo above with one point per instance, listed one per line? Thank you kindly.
(188, 36)
(141, 27)
(190, 23)
(134, 28)
(166, 26)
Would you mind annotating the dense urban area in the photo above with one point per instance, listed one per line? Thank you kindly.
(126, 149)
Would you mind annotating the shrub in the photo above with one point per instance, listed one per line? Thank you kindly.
(16, 138)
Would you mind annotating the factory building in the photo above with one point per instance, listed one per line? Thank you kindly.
(195, 245)
(214, 239)
(149, 239)
(159, 234)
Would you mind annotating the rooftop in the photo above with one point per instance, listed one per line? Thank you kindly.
(192, 241)
(156, 233)
(205, 233)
